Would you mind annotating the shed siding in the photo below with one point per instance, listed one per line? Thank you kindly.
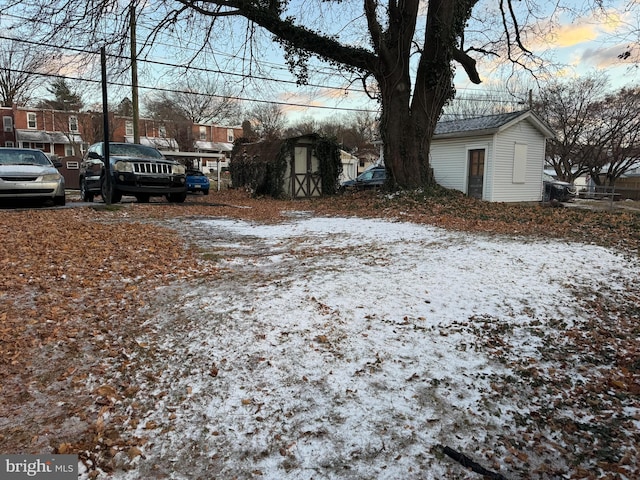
(505, 190)
(449, 160)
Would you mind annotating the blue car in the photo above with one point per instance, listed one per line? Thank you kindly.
(197, 182)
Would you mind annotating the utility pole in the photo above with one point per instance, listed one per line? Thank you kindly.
(134, 74)
(105, 188)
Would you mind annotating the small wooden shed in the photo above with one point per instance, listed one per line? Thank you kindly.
(498, 158)
(299, 167)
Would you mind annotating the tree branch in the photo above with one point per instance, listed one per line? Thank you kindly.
(297, 36)
(468, 63)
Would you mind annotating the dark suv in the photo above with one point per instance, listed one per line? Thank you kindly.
(136, 170)
(372, 178)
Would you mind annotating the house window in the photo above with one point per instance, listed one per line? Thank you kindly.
(8, 124)
(68, 150)
(9, 144)
(230, 135)
(73, 124)
(203, 133)
(32, 120)
(128, 128)
(162, 131)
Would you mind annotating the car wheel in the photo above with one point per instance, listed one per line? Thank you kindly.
(111, 193)
(142, 198)
(205, 192)
(60, 201)
(177, 197)
(84, 194)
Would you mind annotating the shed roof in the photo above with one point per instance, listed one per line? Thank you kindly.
(489, 124)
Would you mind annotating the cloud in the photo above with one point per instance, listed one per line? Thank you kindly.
(297, 101)
(570, 35)
(599, 25)
(610, 56)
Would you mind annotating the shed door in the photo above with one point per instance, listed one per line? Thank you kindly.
(476, 173)
(305, 182)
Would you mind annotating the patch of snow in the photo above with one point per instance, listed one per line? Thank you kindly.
(344, 347)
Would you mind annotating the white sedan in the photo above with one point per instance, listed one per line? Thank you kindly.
(29, 174)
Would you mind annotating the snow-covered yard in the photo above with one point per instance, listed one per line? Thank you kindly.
(353, 348)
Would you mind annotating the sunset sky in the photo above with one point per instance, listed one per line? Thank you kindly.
(571, 45)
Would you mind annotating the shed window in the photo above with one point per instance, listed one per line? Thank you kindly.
(520, 163)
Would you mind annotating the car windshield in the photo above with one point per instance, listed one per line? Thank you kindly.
(133, 150)
(194, 173)
(23, 157)
(374, 173)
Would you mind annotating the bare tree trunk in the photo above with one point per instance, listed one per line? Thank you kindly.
(408, 123)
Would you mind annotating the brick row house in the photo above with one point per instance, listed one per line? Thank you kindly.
(67, 135)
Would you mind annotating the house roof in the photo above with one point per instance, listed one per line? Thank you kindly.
(161, 143)
(40, 136)
(489, 124)
(213, 146)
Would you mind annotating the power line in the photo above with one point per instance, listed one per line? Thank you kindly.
(168, 34)
(86, 51)
(172, 65)
(190, 67)
(169, 90)
(221, 72)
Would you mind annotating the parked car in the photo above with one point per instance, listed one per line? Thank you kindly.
(197, 182)
(137, 170)
(557, 190)
(30, 174)
(374, 177)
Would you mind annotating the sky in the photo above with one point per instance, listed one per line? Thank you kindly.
(579, 45)
(349, 348)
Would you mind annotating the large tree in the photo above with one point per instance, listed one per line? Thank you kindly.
(200, 100)
(406, 49)
(411, 102)
(619, 128)
(597, 133)
(571, 108)
(64, 97)
(267, 120)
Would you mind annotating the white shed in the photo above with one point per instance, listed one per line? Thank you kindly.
(349, 166)
(498, 158)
